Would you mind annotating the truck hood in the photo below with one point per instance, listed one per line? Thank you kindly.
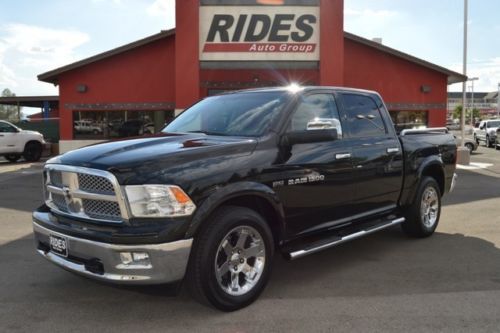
(159, 153)
(31, 132)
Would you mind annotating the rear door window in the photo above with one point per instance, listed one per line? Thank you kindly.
(363, 116)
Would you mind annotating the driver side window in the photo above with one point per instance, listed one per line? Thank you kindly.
(6, 128)
(318, 111)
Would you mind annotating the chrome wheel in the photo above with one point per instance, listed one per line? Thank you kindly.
(429, 208)
(240, 260)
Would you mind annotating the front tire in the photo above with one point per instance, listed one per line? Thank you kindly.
(32, 151)
(231, 260)
(488, 142)
(12, 157)
(470, 146)
(422, 217)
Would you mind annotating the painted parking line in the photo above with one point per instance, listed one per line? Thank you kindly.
(475, 166)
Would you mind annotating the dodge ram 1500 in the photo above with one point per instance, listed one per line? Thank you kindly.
(236, 178)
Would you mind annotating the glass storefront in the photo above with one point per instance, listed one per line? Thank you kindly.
(409, 119)
(98, 125)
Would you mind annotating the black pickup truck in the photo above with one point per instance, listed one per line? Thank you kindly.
(236, 178)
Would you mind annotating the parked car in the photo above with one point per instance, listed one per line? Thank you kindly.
(497, 139)
(84, 126)
(487, 132)
(468, 143)
(135, 127)
(16, 143)
(235, 178)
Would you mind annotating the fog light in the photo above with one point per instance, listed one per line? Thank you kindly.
(126, 258)
(134, 260)
(140, 256)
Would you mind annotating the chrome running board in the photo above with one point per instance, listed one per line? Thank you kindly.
(312, 248)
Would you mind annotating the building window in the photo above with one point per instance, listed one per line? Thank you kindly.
(409, 119)
(99, 125)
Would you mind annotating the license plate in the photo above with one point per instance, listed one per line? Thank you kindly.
(59, 245)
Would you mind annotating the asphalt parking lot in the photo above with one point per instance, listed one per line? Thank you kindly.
(384, 282)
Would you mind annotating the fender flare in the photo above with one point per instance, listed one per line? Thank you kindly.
(231, 191)
(430, 161)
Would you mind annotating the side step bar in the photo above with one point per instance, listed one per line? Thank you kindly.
(312, 248)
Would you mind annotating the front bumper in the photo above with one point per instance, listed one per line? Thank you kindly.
(102, 261)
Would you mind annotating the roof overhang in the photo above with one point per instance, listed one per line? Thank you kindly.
(53, 75)
(453, 77)
(31, 101)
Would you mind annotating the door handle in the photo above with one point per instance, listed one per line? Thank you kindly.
(392, 150)
(342, 156)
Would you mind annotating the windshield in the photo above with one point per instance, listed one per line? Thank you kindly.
(241, 114)
(492, 124)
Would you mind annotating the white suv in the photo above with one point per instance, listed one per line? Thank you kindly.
(15, 142)
(487, 131)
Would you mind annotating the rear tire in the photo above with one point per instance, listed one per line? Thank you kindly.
(12, 157)
(32, 151)
(476, 139)
(231, 259)
(422, 217)
(470, 146)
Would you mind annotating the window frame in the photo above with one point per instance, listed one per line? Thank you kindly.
(349, 131)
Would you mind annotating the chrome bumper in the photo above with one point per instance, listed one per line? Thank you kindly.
(453, 182)
(168, 261)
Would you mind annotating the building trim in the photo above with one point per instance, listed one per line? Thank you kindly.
(259, 65)
(120, 106)
(254, 3)
(415, 106)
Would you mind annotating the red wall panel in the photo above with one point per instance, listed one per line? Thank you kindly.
(143, 74)
(396, 79)
(187, 71)
(332, 42)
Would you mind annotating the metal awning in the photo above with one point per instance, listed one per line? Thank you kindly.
(31, 101)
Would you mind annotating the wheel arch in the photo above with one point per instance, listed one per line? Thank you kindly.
(32, 141)
(435, 171)
(432, 167)
(256, 196)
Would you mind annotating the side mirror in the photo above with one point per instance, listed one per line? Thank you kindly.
(311, 136)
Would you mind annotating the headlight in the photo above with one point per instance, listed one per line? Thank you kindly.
(158, 201)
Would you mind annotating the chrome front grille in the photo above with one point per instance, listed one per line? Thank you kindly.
(106, 210)
(84, 193)
(95, 184)
(60, 202)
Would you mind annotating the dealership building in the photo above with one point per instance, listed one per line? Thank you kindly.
(221, 45)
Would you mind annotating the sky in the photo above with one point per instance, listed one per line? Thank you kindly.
(38, 36)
